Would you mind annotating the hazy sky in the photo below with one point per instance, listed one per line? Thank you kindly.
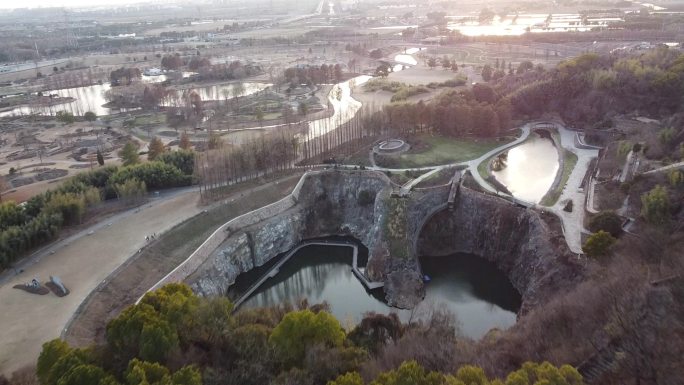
(60, 3)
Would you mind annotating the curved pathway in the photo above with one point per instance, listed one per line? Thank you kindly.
(573, 222)
(82, 261)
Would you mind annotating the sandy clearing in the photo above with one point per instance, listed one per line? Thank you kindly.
(27, 320)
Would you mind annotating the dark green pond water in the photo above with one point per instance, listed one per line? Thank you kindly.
(478, 294)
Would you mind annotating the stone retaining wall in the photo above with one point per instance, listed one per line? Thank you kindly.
(203, 252)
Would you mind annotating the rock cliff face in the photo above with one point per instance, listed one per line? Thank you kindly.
(328, 203)
(357, 204)
(516, 239)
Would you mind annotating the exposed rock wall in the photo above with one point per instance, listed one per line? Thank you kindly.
(356, 203)
(328, 203)
(516, 239)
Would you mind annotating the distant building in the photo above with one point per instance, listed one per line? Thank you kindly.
(153, 72)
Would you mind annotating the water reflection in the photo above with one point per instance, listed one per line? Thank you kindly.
(92, 98)
(478, 294)
(530, 169)
(515, 25)
(319, 273)
(344, 108)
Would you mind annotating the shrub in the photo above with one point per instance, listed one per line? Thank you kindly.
(16, 240)
(607, 221)
(598, 244)
(70, 206)
(131, 189)
(184, 160)
(303, 329)
(676, 178)
(155, 175)
(655, 205)
(129, 154)
(11, 215)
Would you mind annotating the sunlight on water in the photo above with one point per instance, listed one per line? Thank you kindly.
(516, 25)
(530, 170)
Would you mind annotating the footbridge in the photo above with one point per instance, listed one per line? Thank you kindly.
(456, 182)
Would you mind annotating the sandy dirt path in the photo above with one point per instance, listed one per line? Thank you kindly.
(27, 320)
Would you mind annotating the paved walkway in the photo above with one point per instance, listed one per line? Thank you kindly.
(82, 261)
(406, 188)
(573, 222)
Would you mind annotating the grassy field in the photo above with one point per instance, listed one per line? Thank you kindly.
(569, 162)
(438, 150)
(483, 168)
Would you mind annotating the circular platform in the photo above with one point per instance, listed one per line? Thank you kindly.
(391, 146)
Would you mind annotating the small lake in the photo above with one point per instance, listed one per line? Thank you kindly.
(406, 58)
(518, 24)
(531, 169)
(479, 295)
(92, 98)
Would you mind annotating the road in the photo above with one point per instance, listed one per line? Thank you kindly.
(573, 222)
(82, 261)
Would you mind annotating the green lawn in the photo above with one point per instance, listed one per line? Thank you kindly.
(569, 162)
(439, 178)
(438, 150)
(359, 158)
(483, 168)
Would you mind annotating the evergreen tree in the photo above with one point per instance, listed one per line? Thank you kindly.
(100, 158)
(129, 154)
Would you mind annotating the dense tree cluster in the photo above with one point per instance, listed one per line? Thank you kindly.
(138, 95)
(234, 70)
(124, 76)
(173, 337)
(589, 88)
(410, 372)
(477, 112)
(39, 220)
(172, 62)
(227, 165)
(313, 74)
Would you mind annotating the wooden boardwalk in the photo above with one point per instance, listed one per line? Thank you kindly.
(369, 285)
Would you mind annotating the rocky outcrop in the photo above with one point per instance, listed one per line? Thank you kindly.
(361, 204)
(327, 203)
(516, 239)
